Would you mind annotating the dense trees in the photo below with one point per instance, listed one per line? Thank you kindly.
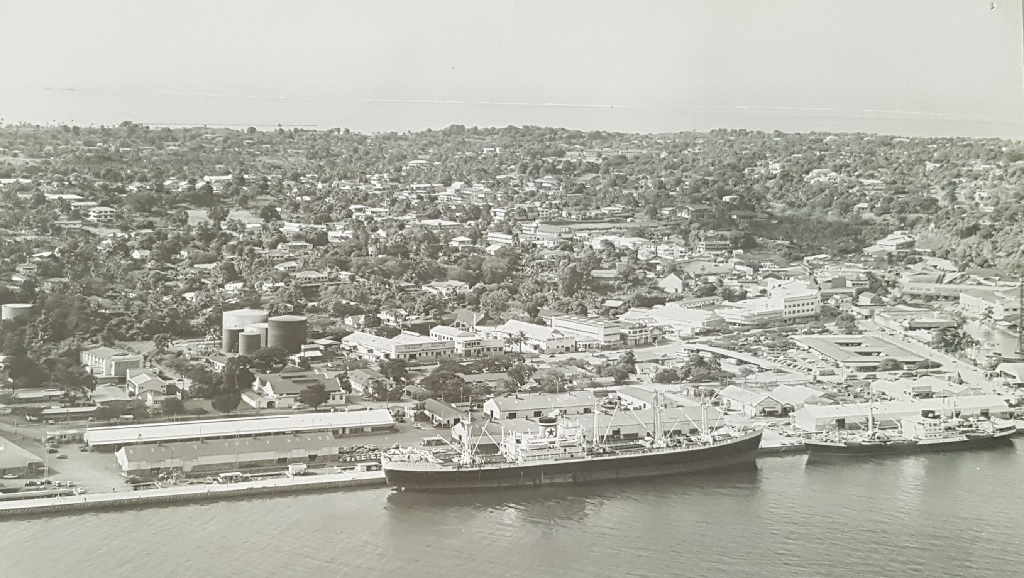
(315, 395)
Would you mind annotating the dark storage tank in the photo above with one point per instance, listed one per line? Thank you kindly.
(287, 332)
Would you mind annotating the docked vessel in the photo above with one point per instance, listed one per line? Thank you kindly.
(928, 432)
(559, 452)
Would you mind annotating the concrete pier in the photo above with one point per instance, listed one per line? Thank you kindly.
(66, 505)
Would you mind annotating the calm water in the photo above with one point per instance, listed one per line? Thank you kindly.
(86, 107)
(934, 516)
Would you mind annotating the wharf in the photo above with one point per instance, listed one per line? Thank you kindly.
(65, 505)
(777, 448)
(773, 444)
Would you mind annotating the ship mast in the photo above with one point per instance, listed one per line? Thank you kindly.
(871, 410)
(657, 417)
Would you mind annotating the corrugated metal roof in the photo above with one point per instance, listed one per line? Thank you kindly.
(166, 432)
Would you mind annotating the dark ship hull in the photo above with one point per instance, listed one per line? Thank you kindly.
(596, 468)
(903, 447)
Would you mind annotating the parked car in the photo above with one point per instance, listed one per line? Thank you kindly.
(52, 450)
(62, 456)
(10, 476)
(299, 406)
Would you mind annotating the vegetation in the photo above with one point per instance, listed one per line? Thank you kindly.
(315, 395)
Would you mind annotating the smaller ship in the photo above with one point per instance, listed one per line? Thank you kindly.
(929, 432)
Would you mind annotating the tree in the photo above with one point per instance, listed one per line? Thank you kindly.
(227, 402)
(952, 340)
(628, 361)
(236, 375)
(516, 339)
(890, 364)
(397, 370)
(667, 375)
(521, 373)
(315, 395)
(846, 324)
(269, 213)
(445, 385)
(172, 406)
(267, 358)
(384, 390)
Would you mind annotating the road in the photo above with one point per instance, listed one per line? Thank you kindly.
(971, 374)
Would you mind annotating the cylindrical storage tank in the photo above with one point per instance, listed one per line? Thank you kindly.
(12, 311)
(229, 339)
(249, 342)
(287, 332)
(242, 318)
(260, 328)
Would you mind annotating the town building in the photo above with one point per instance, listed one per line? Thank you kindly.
(590, 332)
(441, 414)
(751, 403)
(856, 352)
(536, 338)
(107, 362)
(280, 390)
(446, 289)
(467, 343)
(540, 405)
(677, 321)
(362, 380)
(406, 345)
(996, 304)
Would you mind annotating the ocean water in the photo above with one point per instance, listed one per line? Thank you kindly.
(163, 108)
(930, 516)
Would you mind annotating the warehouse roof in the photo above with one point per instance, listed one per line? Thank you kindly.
(313, 443)
(904, 407)
(236, 427)
(545, 401)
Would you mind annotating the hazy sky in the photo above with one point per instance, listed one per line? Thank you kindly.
(938, 63)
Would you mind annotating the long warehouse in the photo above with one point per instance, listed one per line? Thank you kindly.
(817, 418)
(337, 423)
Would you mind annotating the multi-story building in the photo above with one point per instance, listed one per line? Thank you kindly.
(110, 362)
(406, 345)
(635, 333)
(796, 299)
(504, 239)
(467, 343)
(102, 214)
(589, 331)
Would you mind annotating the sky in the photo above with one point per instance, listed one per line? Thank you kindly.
(906, 66)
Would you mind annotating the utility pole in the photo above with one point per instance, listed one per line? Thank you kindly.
(1020, 321)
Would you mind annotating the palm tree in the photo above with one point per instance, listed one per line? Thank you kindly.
(521, 338)
(512, 339)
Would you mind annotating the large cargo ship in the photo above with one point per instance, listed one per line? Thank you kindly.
(558, 452)
(929, 432)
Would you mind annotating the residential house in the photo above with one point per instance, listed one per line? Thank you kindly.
(280, 390)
